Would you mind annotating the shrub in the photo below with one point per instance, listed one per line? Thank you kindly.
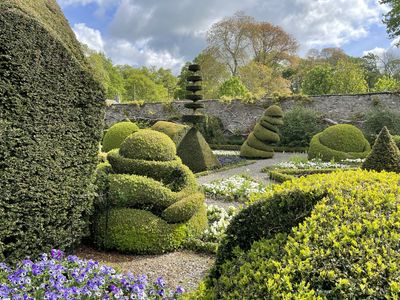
(147, 144)
(384, 155)
(339, 142)
(116, 134)
(264, 133)
(147, 206)
(339, 242)
(377, 118)
(51, 113)
(300, 125)
(74, 278)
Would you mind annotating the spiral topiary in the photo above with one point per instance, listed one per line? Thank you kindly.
(116, 134)
(265, 133)
(151, 201)
(339, 142)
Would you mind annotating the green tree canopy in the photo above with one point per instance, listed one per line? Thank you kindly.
(318, 80)
(233, 88)
(386, 84)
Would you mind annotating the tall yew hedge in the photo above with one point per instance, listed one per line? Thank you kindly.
(51, 115)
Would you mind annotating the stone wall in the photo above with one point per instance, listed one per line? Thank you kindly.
(238, 117)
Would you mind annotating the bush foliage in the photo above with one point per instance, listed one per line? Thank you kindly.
(331, 236)
(378, 117)
(339, 142)
(51, 113)
(116, 134)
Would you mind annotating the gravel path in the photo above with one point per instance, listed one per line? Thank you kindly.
(183, 268)
(253, 170)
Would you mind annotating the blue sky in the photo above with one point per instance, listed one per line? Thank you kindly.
(166, 33)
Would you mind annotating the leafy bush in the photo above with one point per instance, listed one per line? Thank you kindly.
(377, 118)
(339, 142)
(116, 134)
(147, 144)
(51, 115)
(265, 133)
(56, 277)
(385, 156)
(300, 125)
(322, 237)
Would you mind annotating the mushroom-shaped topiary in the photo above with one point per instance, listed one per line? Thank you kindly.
(385, 156)
(265, 133)
(339, 142)
(116, 134)
(152, 201)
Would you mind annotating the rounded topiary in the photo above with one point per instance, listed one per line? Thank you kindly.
(385, 156)
(117, 133)
(148, 144)
(265, 133)
(315, 238)
(339, 142)
(152, 201)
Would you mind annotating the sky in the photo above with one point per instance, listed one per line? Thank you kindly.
(167, 33)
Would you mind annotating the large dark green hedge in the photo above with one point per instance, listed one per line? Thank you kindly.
(51, 113)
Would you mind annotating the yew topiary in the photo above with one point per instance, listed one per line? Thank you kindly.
(385, 156)
(259, 143)
(116, 134)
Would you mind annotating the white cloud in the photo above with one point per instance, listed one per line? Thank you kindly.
(89, 36)
(376, 51)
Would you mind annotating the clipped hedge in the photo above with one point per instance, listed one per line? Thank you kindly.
(147, 206)
(339, 142)
(116, 134)
(51, 113)
(331, 236)
(265, 134)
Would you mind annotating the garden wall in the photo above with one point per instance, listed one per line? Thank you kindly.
(238, 117)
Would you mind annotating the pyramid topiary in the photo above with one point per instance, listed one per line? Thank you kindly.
(51, 118)
(259, 143)
(385, 156)
(116, 134)
(192, 148)
(339, 142)
(150, 201)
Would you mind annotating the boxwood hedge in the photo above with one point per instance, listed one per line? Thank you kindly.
(51, 113)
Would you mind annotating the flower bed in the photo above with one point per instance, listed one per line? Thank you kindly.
(56, 277)
(236, 188)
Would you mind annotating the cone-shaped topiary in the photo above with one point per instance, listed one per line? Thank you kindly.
(151, 201)
(339, 142)
(385, 156)
(265, 133)
(51, 117)
(116, 134)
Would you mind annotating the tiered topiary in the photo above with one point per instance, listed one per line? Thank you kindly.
(259, 143)
(385, 156)
(116, 134)
(332, 236)
(339, 142)
(51, 117)
(151, 200)
(192, 148)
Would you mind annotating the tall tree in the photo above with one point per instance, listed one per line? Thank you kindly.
(392, 18)
(348, 78)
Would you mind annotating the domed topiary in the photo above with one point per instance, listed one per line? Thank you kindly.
(151, 201)
(385, 156)
(116, 134)
(265, 133)
(148, 144)
(339, 142)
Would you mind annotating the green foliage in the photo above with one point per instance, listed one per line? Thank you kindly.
(116, 134)
(392, 17)
(233, 88)
(51, 115)
(385, 156)
(192, 148)
(212, 130)
(378, 117)
(265, 133)
(318, 80)
(339, 142)
(349, 78)
(300, 125)
(329, 236)
(147, 144)
(386, 84)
